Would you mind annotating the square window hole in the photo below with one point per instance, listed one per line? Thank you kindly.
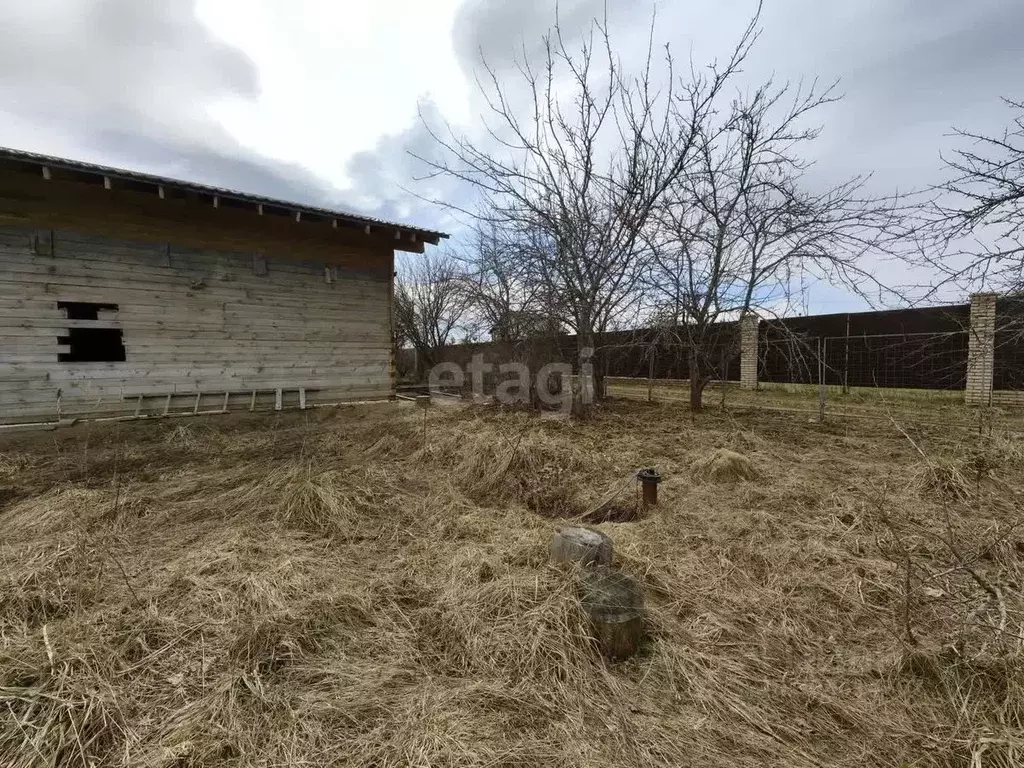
(90, 345)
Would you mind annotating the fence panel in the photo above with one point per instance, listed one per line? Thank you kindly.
(671, 361)
(904, 360)
(792, 360)
(1008, 357)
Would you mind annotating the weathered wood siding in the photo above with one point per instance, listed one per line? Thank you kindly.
(203, 327)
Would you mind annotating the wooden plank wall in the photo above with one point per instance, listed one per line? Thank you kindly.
(203, 329)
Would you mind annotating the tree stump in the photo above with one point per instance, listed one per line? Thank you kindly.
(584, 546)
(614, 603)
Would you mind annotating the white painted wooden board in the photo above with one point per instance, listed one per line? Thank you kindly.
(207, 325)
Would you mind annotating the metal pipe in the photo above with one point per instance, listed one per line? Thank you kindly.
(649, 479)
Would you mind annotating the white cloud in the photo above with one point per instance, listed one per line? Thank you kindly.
(334, 77)
(316, 100)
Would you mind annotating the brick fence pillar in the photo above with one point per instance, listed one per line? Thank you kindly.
(748, 351)
(981, 349)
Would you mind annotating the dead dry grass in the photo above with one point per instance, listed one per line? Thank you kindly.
(327, 589)
(723, 465)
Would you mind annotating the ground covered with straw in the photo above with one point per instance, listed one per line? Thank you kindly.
(347, 587)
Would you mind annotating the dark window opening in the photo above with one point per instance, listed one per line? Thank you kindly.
(90, 345)
(83, 310)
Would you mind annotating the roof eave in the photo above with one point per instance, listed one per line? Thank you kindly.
(407, 238)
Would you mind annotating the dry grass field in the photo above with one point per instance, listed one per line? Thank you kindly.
(915, 405)
(345, 587)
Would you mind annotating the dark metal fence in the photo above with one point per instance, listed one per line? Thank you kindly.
(914, 360)
(924, 348)
(1008, 362)
(903, 360)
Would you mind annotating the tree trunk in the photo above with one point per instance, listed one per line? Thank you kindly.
(598, 385)
(599, 361)
(697, 383)
(425, 361)
(584, 394)
(421, 366)
(650, 376)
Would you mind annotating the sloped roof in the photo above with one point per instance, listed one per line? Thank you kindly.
(342, 217)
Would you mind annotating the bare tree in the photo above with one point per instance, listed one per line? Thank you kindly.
(743, 229)
(505, 302)
(431, 301)
(972, 230)
(577, 174)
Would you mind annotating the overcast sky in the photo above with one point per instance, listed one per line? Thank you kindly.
(316, 100)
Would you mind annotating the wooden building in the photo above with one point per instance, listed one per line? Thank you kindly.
(128, 294)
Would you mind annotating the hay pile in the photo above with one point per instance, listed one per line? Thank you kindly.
(323, 589)
(725, 466)
(520, 463)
